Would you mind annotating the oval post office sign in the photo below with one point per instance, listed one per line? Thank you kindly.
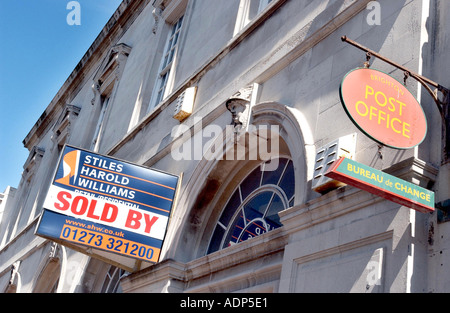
(382, 108)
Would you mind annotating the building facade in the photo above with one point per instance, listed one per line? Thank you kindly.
(238, 98)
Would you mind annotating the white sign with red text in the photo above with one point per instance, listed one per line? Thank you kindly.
(109, 213)
(107, 204)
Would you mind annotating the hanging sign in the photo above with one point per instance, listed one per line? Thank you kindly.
(107, 204)
(381, 184)
(383, 109)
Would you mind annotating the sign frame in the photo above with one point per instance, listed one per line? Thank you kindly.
(71, 210)
(382, 184)
(371, 133)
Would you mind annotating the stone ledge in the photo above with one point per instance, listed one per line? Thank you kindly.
(170, 272)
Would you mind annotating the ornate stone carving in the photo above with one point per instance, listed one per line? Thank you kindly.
(239, 107)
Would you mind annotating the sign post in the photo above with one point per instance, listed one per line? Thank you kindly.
(109, 206)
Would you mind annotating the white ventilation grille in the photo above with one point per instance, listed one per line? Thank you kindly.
(185, 104)
(325, 157)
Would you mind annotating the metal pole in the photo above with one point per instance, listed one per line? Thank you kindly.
(375, 54)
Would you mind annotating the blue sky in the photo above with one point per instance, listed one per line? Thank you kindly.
(38, 51)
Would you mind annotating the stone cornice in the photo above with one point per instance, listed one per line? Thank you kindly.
(267, 244)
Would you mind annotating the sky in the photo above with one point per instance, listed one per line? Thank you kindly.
(39, 48)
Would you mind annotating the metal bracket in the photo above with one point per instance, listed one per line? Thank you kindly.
(443, 104)
(443, 210)
(367, 63)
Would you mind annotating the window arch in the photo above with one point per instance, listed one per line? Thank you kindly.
(254, 205)
(214, 180)
(112, 280)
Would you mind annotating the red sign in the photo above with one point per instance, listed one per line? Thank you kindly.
(382, 108)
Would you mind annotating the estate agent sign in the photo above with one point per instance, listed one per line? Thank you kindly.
(109, 205)
(382, 108)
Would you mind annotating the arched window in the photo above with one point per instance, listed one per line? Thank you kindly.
(112, 280)
(254, 205)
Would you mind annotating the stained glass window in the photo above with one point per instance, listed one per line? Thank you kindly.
(253, 207)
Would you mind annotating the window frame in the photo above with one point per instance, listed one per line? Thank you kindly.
(105, 85)
(111, 283)
(100, 123)
(244, 199)
(165, 72)
(246, 16)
